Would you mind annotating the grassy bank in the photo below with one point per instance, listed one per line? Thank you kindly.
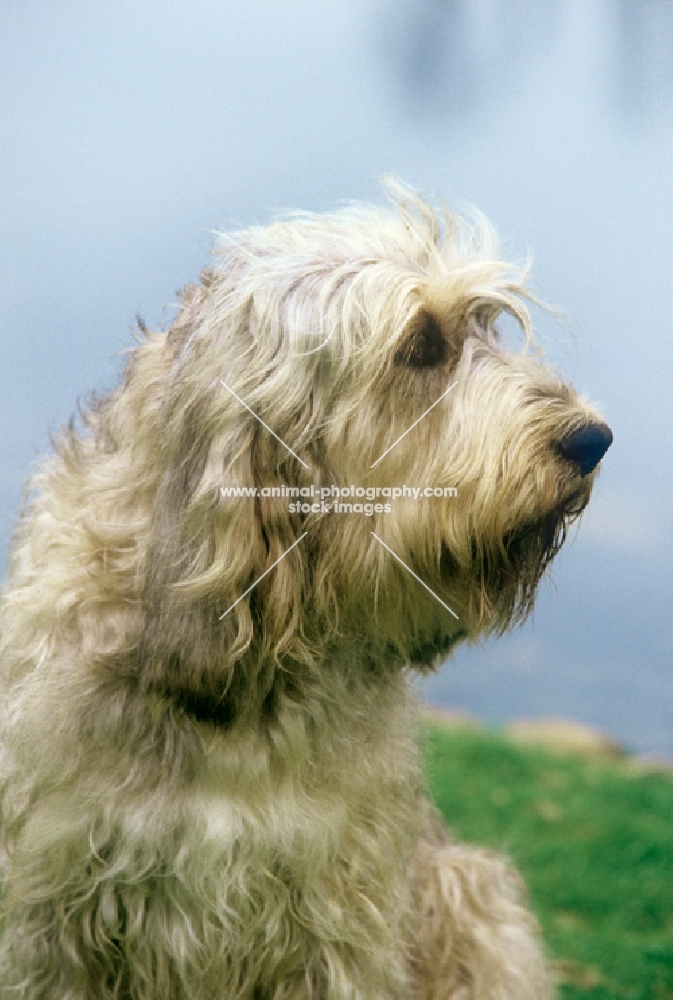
(594, 841)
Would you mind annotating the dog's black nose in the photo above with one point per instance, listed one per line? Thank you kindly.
(587, 446)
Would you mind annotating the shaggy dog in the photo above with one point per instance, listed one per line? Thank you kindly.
(209, 782)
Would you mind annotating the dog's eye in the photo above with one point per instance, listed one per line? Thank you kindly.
(426, 346)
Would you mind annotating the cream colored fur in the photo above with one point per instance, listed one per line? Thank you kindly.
(202, 807)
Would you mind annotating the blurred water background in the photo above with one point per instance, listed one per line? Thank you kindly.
(129, 132)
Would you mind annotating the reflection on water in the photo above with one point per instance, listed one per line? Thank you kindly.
(644, 53)
(448, 56)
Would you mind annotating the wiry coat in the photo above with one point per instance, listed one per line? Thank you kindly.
(196, 806)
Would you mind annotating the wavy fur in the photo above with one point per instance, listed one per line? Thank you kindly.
(205, 807)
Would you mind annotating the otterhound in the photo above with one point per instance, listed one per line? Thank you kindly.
(209, 787)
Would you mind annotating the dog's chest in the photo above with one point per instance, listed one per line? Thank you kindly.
(302, 810)
(297, 812)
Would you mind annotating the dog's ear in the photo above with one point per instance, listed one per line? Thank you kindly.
(425, 345)
(215, 621)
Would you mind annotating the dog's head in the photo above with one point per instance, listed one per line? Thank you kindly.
(356, 352)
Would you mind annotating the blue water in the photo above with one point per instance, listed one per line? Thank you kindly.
(131, 131)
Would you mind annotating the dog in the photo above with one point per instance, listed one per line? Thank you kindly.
(209, 781)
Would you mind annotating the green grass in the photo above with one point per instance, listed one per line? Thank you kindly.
(594, 842)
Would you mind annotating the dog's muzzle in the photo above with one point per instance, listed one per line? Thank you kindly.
(586, 446)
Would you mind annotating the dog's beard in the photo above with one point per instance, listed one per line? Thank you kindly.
(501, 583)
(526, 554)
